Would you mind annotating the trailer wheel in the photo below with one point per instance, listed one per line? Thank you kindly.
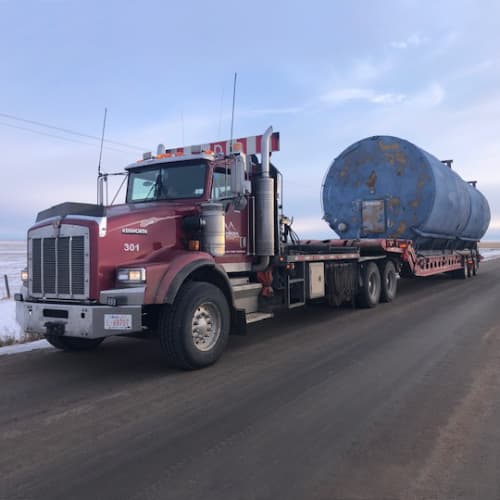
(462, 273)
(369, 295)
(72, 343)
(389, 282)
(475, 266)
(195, 330)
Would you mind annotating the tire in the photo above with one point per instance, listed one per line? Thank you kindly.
(469, 269)
(369, 295)
(195, 330)
(73, 343)
(475, 266)
(462, 273)
(389, 282)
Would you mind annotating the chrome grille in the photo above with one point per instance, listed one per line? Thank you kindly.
(78, 265)
(63, 262)
(49, 265)
(36, 269)
(59, 265)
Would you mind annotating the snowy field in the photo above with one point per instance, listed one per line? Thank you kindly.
(490, 253)
(13, 261)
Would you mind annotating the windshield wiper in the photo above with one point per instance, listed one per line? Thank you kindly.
(156, 187)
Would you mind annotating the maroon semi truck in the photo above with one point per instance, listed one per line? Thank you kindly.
(200, 248)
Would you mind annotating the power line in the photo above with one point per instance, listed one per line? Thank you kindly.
(59, 137)
(68, 131)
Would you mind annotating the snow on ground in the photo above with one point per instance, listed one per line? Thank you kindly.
(11, 333)
(9, 329)
(12, 261)
(490, 253)
(28, 346)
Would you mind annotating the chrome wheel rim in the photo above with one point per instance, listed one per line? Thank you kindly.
(206, 326)
(390, 280)
(372, 283)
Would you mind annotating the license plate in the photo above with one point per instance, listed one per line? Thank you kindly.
(118, 322)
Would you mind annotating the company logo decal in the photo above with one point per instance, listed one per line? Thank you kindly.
(134, 230)
(231, 232)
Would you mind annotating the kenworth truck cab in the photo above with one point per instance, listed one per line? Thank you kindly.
(181, 255)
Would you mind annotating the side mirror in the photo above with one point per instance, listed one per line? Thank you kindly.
(239, 185)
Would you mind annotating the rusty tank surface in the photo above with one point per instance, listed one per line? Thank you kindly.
(386, 187)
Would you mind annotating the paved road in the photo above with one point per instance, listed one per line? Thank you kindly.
(400, 402)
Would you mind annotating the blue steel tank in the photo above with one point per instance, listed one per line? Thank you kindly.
(386, 187)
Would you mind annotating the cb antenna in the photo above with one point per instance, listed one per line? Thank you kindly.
(226, 173)
(232, 112)
(100, 193)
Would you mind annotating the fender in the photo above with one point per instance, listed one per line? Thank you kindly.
(182, 267)
(216, 275)
(175, 282)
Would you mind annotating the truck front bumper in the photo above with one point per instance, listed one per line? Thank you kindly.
(78, 320)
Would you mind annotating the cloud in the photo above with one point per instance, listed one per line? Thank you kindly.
(365, 70)
(474, 70)
(270, 111)
(338, 96)
(445, 43)
(357, 73)
(412, 41)
(430, 96)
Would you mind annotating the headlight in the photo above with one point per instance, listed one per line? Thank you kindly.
(131, 275)
(24, 276)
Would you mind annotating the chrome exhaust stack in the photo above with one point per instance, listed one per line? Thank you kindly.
(264, 206)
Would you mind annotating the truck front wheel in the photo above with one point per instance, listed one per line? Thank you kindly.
(72, 343)
(195, 330)
(369, 295)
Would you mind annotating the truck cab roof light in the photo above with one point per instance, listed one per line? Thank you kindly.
(164, 155)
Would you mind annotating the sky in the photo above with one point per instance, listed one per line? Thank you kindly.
(323, 73)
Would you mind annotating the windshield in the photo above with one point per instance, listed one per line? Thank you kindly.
(172, 182)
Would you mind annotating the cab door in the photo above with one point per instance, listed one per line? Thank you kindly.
(236, 220)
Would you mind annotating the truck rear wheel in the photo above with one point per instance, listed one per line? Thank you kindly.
(195, 330)
(73, 343)
(369, 295)
(389, 282)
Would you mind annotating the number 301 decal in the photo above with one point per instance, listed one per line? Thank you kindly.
(131, 247)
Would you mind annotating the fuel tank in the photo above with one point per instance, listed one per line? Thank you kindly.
(386, 187)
